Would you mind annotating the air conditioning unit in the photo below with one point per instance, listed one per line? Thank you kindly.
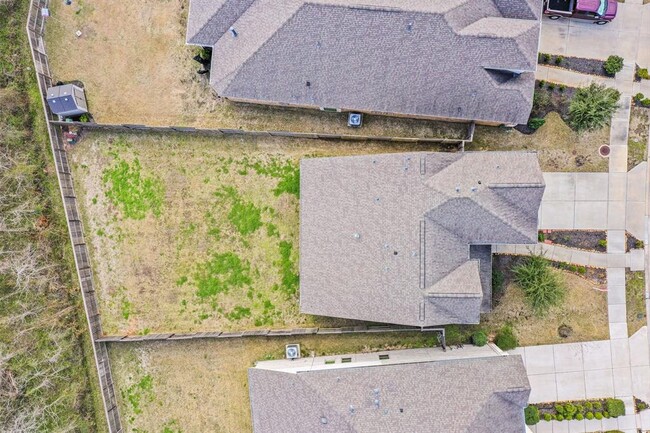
(292, 351)
(355, 120)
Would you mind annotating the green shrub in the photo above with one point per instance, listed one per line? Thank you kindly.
(558, 60)
(548, 417)
(551, 86)
(559, 418)
(535, 123)
(541, 84)
(598, 415)
(506, 338)
(589, 405)
(589, 415)
(641, 406)
(544, 57)
(559, 409)
(606, 414)
(497, 280)
(569, 409)
(561, 88)
(580, 408)
(602, 243)
(643, 73)
(597, 406)
(613, 64)
(592, 107)
(531, 413)
(615, 407)
(568, 417)
(645, 102)
(541, 285)
(639, 97)
(479, 338)
(580, 416)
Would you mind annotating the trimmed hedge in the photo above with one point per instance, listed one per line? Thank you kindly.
(615, 407)
(531, 414)
(581, 410)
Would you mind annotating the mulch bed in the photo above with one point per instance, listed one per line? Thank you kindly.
(632, 243)
(549, 97)
(589, 240)
(578, 64)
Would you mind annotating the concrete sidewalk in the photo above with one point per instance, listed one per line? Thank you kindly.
(595, 369)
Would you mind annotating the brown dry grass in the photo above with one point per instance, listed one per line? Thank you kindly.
(138, 263)
(202, 385)
(136, 68)
(584, 310)
(559, 147)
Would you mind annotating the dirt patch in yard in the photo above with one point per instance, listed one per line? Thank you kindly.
(584, 309)
(191, 233)
(136, 68)
(637, 141)
(558, 146)
(202, 386)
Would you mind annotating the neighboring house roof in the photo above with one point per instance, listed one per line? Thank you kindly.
(413, 57)
(471, 395)
(386, 238)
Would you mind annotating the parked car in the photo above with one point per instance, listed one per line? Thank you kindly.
(599, 11)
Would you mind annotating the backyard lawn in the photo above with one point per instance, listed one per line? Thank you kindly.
(153, 78)
(191, 233)
(201, 386)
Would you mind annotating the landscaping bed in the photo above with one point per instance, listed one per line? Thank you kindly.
(581, 316)
(575, 410)
(637, 141)
(589, 240)
(635, 301)
(198, 233)
(578, 64)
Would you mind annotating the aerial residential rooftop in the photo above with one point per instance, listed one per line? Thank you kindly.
(406, 238)
(470, 390)
(470, 60)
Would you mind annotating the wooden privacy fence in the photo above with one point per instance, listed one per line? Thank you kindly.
(35, 27)
(268, 333)
(223, 131)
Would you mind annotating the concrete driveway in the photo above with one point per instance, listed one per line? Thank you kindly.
(627, 36)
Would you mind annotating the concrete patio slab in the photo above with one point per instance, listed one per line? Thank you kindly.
(620, 353)
(609, 424)
(559, 186)
(616, 241)
(618, 330)
(557, 215)
(539, 359)
(635, 218)
(599, 383)
(616, 214)
(622, 382)
(543, 388)
(617, 314)
(592, 186)
(576, 426)
(568, 357)
(626, 422)
(570, 386)
(559, 427)
(591, 214)
(592, 425)
(596, 355)
(617, 186)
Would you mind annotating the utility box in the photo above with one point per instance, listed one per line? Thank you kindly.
(67, 100)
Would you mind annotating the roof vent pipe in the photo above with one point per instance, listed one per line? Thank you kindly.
(233, 32)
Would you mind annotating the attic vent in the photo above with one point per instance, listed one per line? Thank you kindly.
(323, 420)
(233, 32)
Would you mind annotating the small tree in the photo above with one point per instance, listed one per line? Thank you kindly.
(541, 285)
(592, 107)
(613, 64)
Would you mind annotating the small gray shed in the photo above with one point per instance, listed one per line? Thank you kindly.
(67, 100)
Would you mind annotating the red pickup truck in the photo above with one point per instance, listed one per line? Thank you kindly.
(599, 11)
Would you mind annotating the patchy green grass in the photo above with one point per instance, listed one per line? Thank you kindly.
(222, 252)
(635, 301)
(638, 136)
(130, 191)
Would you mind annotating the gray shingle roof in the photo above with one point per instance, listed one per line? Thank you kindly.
(417, 57)
(480, 395)
(385, 238)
